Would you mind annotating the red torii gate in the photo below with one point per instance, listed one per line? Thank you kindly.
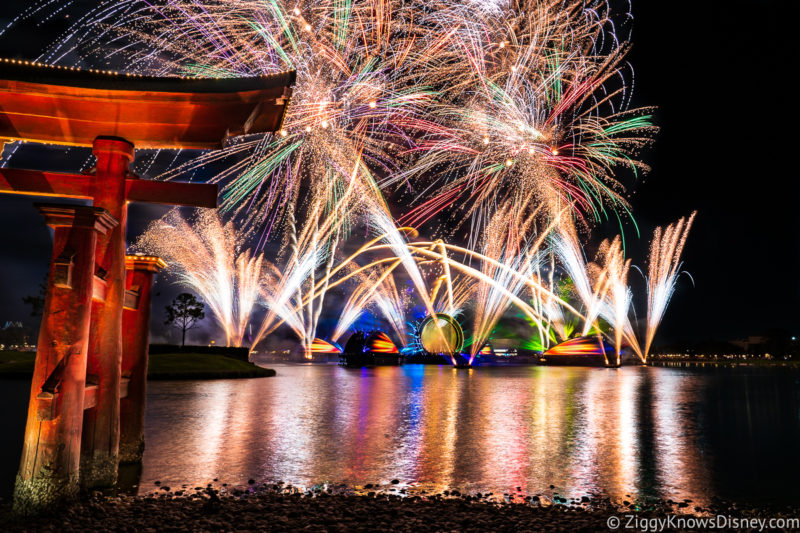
(87, 395)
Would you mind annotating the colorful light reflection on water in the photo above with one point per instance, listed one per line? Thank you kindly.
(647, 432)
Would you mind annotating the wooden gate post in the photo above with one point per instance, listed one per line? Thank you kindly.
(100, 443)
(135, 342)
(49, 470)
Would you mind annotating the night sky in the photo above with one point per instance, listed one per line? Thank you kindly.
(719, 75)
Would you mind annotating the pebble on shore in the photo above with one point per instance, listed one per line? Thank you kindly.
(281, 507)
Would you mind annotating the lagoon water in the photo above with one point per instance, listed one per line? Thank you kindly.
(696, 433)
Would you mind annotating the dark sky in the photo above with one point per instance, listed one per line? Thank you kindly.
(719, 74)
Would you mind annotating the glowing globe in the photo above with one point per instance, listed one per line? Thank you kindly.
(441, 334)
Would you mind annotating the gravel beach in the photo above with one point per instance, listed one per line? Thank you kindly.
(278, 507)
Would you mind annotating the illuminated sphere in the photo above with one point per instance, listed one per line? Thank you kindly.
(449, 341)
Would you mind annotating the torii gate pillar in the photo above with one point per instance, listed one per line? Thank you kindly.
(50, 457)
(135, 344)
(100, 442)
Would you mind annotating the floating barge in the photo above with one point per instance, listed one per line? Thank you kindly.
(581, 351)
(373, 348)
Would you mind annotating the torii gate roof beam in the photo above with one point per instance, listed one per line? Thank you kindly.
(63, 105)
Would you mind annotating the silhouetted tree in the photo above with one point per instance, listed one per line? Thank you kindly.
(184, 313)
(36, 301)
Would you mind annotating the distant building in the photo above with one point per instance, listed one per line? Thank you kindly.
(750, 343)
(14, 336)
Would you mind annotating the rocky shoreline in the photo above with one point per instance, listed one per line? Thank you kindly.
(280, 507)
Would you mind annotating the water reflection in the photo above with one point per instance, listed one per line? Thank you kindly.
(648, 432)
(675, 469)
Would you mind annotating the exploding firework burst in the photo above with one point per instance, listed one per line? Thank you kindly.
(537, 112)
(358, 95)
(523, 102)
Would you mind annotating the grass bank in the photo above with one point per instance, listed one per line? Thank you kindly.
(16, 364)
(161, 366)
(202, 366)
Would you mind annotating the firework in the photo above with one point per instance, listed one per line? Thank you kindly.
(570, 254)
(556, 325)
(517, 110)
(617, 304)
(358, 94)
(392, 306)
(535, 109)
(366, 292)
(379, 290)
(294, 297)
(501, 288)
(663, 269)
(206, 255)
(505, 245)
(352, 310)
(298, 296)
(522, 103)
